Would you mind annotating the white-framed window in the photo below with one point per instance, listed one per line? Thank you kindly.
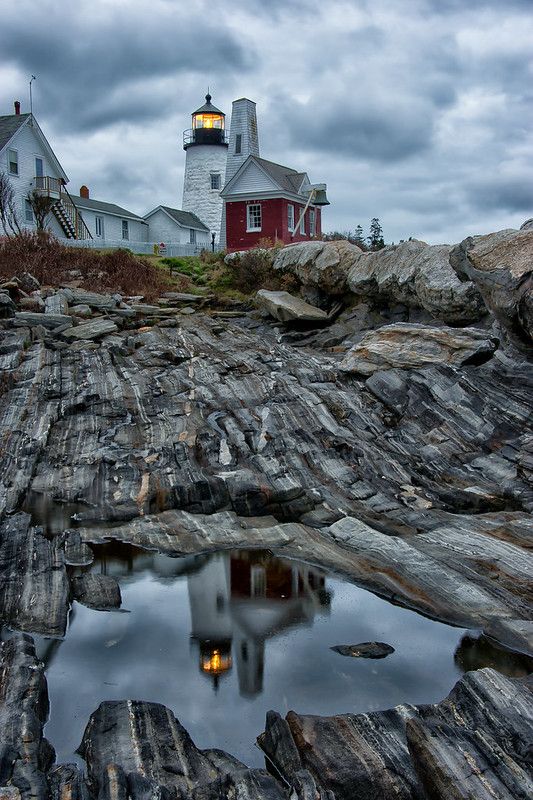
(13, 162)
(257, 581)
(99, 227)
(28, 211)
(253, 217)
(302, 223)
(215, 180)
(290, 217)
(125, 229)
(39, 167)
(238, 143)
(192, 236)
(312, 222)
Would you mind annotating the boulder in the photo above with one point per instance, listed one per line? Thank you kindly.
(96, 591)
(501, 266)
(320, 265)
(50, 321)
(527, 225)
(411, 346)
(7, 306)
(420, 276)
(287, 308)
(56, 304)
(90, 330)
(364, 650)
(104, 302)
(81, 310)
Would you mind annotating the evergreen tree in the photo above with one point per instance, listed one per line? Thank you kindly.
(359, 239)
(375, 240)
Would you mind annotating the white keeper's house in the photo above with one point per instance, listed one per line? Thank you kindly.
(29, 162)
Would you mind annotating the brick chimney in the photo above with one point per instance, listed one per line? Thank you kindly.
(17, 107)
(84, 192)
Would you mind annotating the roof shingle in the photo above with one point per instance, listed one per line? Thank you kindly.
(9, 125)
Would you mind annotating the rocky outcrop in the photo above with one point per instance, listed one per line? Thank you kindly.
(34, 582)
(414, 346)
(474, 744)
(319, 265)
(417, 275)
(287, 308)
(25, 755)
(96, 591)
(501, 266)
(136, 749)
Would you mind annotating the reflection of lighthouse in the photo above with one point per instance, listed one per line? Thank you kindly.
(240, 600)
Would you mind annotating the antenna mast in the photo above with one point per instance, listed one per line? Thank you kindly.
(31, 99)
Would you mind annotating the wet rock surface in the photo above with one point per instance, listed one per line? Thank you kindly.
(364, 650)
(474, 744)
(188, 433)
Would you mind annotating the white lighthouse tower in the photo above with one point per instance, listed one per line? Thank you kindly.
(206, 149)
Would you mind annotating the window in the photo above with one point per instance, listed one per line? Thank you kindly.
(39, 168)
(253, 217)
(302, 224)
(99, 227)
(257, 581)
(192, 236)
(215, 180)
(13, 162)
(28, 211)
(290, 217)
(312, 223)
(125, 229)
(238, 143)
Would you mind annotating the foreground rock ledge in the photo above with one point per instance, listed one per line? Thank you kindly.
(475, 744)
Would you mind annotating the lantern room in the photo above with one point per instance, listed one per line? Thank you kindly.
(208, 124)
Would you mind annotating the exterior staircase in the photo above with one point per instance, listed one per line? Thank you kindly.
(64, 209)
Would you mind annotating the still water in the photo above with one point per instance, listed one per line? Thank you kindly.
(221, 639)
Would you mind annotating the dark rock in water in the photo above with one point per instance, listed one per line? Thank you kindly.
(34, 581)
(145, 743)
(77, 553)
(96, 591)
(364, 650)
(475, 744)
(25, 755)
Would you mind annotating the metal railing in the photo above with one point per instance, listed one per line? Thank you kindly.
(205, 136)
(54, 187)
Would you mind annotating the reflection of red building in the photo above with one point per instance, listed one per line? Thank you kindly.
(264, 200)
(239, 600)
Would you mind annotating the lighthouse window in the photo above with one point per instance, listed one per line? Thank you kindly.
(238, 143)
(253, 222)
(215, 180)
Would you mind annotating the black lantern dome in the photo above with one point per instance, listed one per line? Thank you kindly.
(208, 124)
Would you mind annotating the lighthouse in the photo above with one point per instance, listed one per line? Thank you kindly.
(206, 146)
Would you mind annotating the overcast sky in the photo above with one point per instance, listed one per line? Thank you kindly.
(418, 112)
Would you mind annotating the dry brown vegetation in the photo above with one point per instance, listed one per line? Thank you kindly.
(53, 263)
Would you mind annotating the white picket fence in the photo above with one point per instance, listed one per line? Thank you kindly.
(140, 248)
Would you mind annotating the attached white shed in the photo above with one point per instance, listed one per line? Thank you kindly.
(108, 222)
(172, 226)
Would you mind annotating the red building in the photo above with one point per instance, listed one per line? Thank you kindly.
(264, 200)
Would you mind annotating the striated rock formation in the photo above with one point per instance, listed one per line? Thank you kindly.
(413, 346)
(319, 265)
(25, 755)
(286, 308)
(501, 266)
(475, 744)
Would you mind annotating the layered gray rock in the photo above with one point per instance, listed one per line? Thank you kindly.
(96, 591)
(501, 266)
(474, 744)
(418, 275)
(319, 265)
(141, 749)
(287, 308)
(25, 755)
(34, 582)
(90, 330)
(49, 321)
(411, 346)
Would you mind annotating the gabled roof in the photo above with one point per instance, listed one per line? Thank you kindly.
(186, 219)
(11, 124)
(105, 208)
(285, 178)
